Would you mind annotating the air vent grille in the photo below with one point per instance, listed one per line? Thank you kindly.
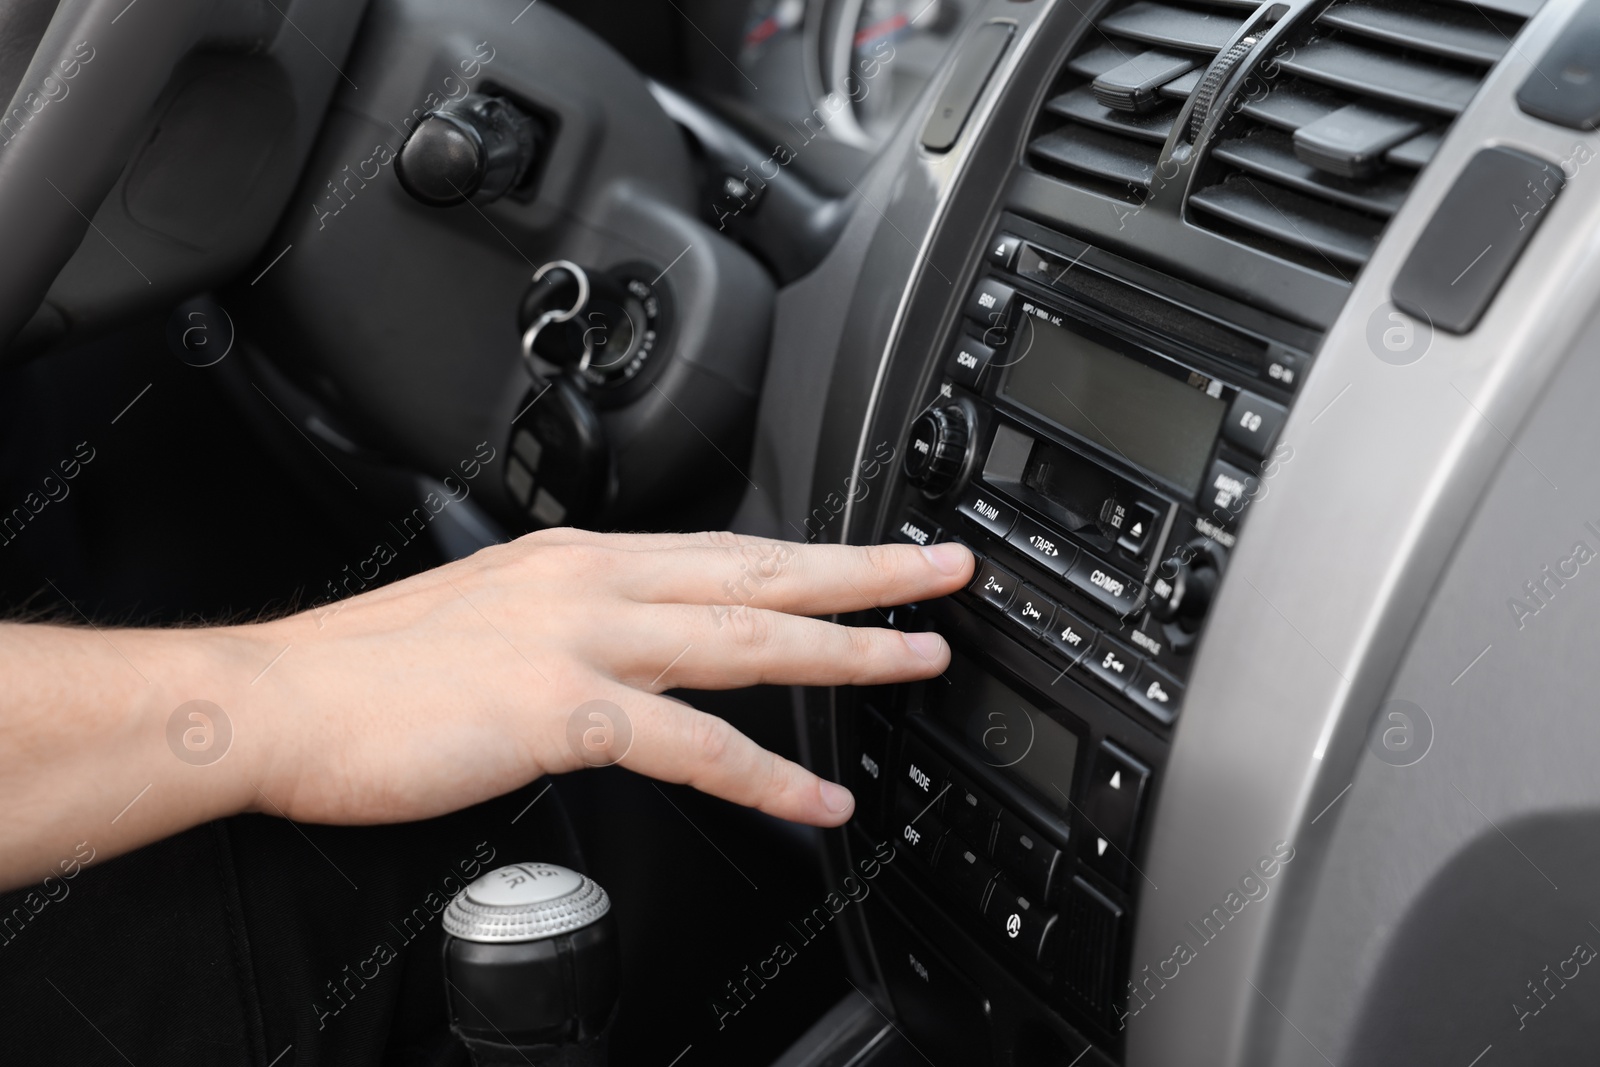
(1326, 142)
(1106, 121)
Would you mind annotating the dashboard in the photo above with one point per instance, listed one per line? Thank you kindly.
(1190, 355)
(1248, 346)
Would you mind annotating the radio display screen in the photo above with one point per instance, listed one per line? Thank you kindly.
(1006, 731)
(1163, 423)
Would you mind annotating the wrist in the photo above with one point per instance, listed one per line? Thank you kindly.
(214, 721)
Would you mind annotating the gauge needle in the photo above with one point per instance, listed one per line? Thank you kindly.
(764, 29)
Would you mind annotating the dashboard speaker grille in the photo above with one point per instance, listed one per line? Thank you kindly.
(1325, 142)
(1107, 118)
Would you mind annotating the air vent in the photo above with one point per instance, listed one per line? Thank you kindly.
(1105, 123)
(1328, 137)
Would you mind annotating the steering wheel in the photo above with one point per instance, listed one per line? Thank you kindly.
(73, 121)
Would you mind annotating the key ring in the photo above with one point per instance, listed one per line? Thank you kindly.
(553, 316)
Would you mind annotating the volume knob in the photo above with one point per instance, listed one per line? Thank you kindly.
(937, 447)
(1184, 588)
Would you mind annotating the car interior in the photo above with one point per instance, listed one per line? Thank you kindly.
(1242, 343)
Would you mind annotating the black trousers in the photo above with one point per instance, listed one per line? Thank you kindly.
(257, 941)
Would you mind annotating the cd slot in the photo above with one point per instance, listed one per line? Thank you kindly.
(1137, 307)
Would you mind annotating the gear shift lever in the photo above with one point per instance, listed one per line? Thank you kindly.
(531, 967)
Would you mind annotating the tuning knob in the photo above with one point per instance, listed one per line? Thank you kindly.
(936, 449)
(531, 966)
(1185, 586)
(478, 148)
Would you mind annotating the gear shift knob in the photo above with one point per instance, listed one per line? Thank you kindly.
(531, 967)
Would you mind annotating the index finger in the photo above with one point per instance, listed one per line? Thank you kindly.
(805, 579)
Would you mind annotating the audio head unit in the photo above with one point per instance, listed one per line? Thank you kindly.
(1096, 443)
(1095, 432)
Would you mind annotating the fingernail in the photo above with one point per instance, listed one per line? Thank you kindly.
(836, 798)
(947, 558)
(926, 645)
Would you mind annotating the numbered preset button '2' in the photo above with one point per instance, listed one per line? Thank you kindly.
(995, 585)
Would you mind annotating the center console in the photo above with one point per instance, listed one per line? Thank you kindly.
(1096, 433)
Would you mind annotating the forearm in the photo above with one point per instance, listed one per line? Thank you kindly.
(86, 767)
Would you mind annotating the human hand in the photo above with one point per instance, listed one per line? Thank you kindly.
(456, 685)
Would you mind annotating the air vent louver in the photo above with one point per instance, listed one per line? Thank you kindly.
(1147, 58)
(1324, 150)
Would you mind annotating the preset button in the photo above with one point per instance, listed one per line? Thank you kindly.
(995, 585)
(1112, 663)
(1069, 635)
(1157, 692)
(1032, 610)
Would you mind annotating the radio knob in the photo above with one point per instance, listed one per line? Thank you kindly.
(937, 447)
(1195, 572)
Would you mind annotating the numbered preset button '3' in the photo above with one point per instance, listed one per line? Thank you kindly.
(1032, 610)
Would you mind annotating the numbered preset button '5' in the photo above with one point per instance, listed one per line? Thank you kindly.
(1112, 663)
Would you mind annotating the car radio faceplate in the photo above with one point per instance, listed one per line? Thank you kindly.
(1096, 439)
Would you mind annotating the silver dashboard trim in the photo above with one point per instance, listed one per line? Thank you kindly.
(1302, 645)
